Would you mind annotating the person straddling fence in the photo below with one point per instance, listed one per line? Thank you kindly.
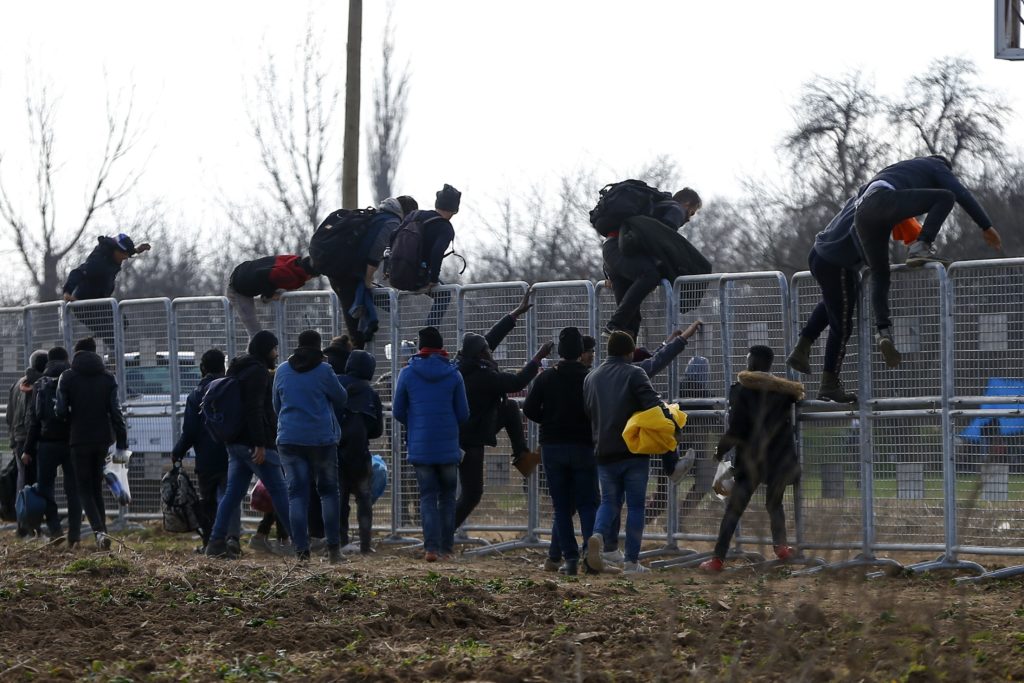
(46, 448)
(555, 402)
(95, 278)
(363, 420)
(612, 393)
(19, 398)
(211, 455)
(87, 398)
(252, 443)
(761, 432)
(430, 400)
(487, 388)
(267, 278)
(924, 185)
(307, 399)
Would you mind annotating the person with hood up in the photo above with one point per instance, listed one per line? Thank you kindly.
(19, 398)
(267, 277)
(307, 397)
(254, 449)
(87, 398)
(211, 454)
(46, 448)
(761, 430)
(363, 420)
(430, 400)
(486, 390)
(95, 279)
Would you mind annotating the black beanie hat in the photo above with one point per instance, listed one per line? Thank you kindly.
(473, 345)
(448, 199)
(408, 204)
(262, 343)
(310, 339)
(621, 344)
(570, 343)
(57, 353)
(37, 361)
(589, 343)
(430, 338)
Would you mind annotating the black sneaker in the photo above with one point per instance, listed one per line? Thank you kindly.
(217, 548)
(887, 347)
(570, 568)
(302, 556)
(334, 555)
(234, 546)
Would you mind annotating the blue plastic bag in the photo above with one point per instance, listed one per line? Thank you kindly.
(30, 506)
(380, 477)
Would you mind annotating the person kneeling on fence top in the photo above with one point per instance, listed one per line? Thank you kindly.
(761, 430)
(612, 393)
(267, 277)
(430, 400)
(489, 408)
(253, 450)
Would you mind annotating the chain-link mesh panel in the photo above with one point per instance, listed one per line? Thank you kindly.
(266, 315)
(757, 316)
(483, 306)
(831, 482)
(404, 474)
(416, 311)
(382, 508)
(44, 325)
(13, 361)
(200, 325)
(908, 482)
(653, 325)
(307, 310)
(380, 346)
(96, 319)
(697, 298)
(989, 456)
(917, 330)
(988, 327)
(700, 510)
(808, 295)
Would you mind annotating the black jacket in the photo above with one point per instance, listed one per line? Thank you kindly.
(87, 397)
(211, 454)
(50, 430)
(930, 173)
(486, 386)
(95, 278)
(260, 421)
(555, 402)
(363, 418)
(761, 427)
(438, 234)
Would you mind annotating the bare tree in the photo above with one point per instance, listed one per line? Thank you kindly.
(175, 267)
(353, 59)
(42, 240)
(384, 138)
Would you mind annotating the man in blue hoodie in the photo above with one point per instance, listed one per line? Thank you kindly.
(430, 400)
(307, 396)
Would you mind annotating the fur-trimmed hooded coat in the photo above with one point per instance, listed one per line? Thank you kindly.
(761, 427)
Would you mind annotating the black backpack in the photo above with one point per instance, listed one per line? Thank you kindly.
(179, 502)
(221, 409)
(623, 200)
(341, 243)
(407, 270)
(44, 397)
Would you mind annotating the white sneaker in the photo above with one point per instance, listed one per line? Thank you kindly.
(613, 557)
(635, 568)
(684, 466)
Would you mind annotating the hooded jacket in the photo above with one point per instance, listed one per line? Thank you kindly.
(95, 278)
(438, 233)
(761, 426)
(264, 276)
(430, 400)
(555, 402)
(611, 394)
(211, 454)
(18, 399)
(260, 421)
(51, 430)
(486, 386)
(363, 418)
(307, 398)
(87, 398)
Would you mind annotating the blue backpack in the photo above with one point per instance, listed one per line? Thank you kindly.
(30, 507)
(221, 409)
(380, 477)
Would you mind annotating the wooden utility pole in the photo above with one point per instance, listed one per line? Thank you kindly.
(350, 163)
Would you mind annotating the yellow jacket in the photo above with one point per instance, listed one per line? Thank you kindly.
(650, 432)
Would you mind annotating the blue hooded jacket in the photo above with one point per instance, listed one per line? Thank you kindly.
(430, 400)
(307, 396)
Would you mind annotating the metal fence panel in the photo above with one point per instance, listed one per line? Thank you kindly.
(97, 319)
(757, 313)
(699, 298)
(45, 326)
(806, 295)
(380, 346)
(830, 484)
(13, 361)
(307, 310)
(268, 315)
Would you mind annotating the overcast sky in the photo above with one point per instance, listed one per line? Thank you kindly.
(504, 95)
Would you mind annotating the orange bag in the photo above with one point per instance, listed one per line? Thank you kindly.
(907, 230)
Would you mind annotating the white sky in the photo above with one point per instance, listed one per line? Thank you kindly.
(503, 94)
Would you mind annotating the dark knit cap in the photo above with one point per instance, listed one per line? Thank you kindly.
(408, 204)
(589, 343)
(473, 345)
(37, 361)
(57, 353)
(310, 339)
(430, 338)
(448, 199)
(570, 343)
(85, 344)
(262, 343)
(621, 344)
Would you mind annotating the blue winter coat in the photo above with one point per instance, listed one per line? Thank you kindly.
(306, 395)
(430, 400)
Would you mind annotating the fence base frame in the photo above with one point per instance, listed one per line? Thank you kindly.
(995, 574)
(939, 564)
(860, 560)
(527, 541)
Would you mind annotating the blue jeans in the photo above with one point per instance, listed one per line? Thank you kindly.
(437, 505)
(320, 462)
(572, 479)
(626, 477)
(240, 471)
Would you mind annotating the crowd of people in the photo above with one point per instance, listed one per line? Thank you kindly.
(304, 426)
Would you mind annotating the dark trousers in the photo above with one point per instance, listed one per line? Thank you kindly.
(346, 291)
(877, 215)
(839, 290)
(268, 522)
(633, 278)
(88, 463)
(358, 482)
(49, 456)
(212, 486)
(739, 498)
(571, 473)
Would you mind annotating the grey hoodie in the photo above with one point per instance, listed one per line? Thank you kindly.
(611, 394)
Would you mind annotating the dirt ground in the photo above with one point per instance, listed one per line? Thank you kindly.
(151, 610)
